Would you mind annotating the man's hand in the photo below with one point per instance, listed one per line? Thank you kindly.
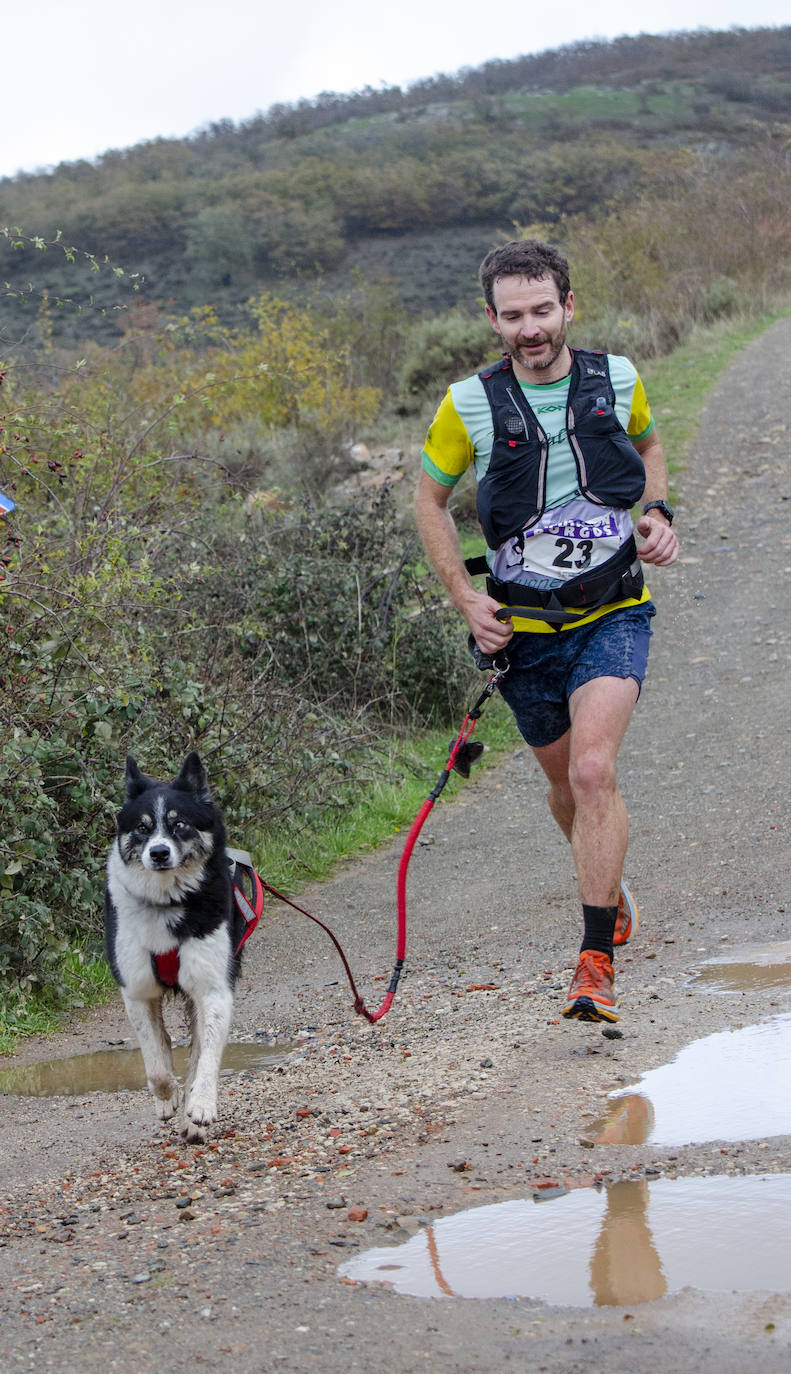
(490, 634)
(660, 544)
(441, 543)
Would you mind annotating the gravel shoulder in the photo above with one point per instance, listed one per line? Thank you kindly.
(123, 1248)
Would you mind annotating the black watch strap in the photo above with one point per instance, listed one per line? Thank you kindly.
(663, 506)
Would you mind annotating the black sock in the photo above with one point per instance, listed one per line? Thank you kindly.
(599, 928)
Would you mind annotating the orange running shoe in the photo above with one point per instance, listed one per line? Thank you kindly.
(628, 918)
(591, 996)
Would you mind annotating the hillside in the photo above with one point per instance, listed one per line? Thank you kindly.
(408, 186)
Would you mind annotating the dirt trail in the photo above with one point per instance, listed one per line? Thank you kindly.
(122, 1248)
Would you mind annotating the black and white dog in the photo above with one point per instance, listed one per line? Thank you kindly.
(171, 922)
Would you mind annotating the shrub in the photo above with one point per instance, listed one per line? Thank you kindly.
(721, 299)
(148, 611)
(638, 335)
(444, 348)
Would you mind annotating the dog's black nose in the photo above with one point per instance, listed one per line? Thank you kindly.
(159, 856)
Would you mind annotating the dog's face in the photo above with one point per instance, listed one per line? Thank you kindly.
(166, 827)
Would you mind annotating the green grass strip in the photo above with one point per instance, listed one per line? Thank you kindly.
(678, 384)
(288, 858)
(86, 981)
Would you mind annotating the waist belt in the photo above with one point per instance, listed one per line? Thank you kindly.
(619, 579)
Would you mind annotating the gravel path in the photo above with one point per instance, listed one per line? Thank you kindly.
(123, 1248)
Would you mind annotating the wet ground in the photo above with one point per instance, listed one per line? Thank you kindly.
(475, 1183)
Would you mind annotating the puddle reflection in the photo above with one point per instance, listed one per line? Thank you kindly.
(728, 1086)
(627, 1244)
(111, 1071)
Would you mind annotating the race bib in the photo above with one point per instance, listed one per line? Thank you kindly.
(567, 542)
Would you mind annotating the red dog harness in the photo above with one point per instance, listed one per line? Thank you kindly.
(167, 964)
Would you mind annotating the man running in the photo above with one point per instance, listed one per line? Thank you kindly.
(563, 445)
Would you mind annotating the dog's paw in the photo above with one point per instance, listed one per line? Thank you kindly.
(166, 1098)
(165, 1108)
(194, 1135)
(201, 1107)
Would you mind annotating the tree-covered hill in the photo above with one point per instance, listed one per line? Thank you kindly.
(409, 185)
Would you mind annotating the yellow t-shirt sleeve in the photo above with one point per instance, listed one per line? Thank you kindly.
(448, 450)
(641, 421)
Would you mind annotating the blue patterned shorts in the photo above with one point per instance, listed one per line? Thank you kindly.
(546, 668)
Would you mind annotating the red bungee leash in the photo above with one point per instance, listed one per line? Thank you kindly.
(462, 755)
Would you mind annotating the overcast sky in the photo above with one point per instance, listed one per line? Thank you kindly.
(88, 75)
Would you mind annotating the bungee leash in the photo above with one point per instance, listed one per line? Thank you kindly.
(462, 755)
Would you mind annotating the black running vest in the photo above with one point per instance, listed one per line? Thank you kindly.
(610, 472)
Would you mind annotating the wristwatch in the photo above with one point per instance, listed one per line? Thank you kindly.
(662, 506)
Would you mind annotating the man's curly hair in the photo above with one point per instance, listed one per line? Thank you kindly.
(524, 258)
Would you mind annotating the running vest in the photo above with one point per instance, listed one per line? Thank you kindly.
(512, 492)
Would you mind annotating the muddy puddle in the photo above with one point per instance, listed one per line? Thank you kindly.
(733, 1085)
(111, 1071)
(758, 968)
(611, 1247)
(729, 1086)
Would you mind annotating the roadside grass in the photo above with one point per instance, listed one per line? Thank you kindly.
(289, 856)
(678, 384)
(86, 981)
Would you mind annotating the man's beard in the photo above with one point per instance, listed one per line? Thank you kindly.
(556, 343)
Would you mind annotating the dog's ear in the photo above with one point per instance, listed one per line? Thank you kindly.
(136, 782)
(192, 778)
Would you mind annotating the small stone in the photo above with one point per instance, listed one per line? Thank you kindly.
(612, 1033)
(335, 1204)
(357, 1214)
(546, 1192)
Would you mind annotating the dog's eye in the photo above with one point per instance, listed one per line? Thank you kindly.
(180, 825)
(144, 828)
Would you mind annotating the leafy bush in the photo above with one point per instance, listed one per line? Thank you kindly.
(333, 600)
(721, 299)
(147, 608)
(638, 335)
(443, 348)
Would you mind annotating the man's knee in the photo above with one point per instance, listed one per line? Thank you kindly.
(592, 774)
